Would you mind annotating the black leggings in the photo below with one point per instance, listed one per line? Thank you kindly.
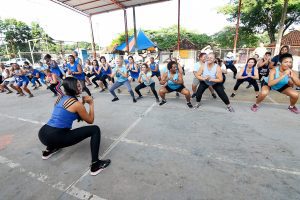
(233, 69)
(142, 85)
(218, 87)
(95, 79)
(59, 138)
(84, 88)
(250, 81)
(103, 79)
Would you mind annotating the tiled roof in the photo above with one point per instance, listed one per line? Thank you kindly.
(291, 39)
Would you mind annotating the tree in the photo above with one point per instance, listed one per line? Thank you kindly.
(281, 26)
(225, 38)
(16, 35)
(263, 15)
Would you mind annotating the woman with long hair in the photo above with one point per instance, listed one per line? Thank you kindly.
(58, 132)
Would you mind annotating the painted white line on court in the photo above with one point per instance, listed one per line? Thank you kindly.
(75, 192)
(22, 119)
(113, 145)
(273, 101)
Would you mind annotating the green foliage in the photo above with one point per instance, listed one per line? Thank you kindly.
(225, 38)
(166, 38)
(263, 15)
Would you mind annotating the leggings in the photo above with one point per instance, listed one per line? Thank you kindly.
(233, 69)
(84, 88)
(103, 79)
(55, 138)
(119, 84)
(34, 79)
(142, 85)
(250, 81)
(218, 87)
(55, 88)
(95, 79)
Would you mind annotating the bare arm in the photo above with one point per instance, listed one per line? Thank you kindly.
(199, 74)
(164, 79)
(272, 80)
(219, 77)
(79, 108)
(295, 78)
(256, 76)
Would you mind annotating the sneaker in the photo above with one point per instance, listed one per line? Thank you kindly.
(254, 107)
(134, 100)
(9, 92)
(294, 109)
(249, 86)
(55, 95)
(115, 99)
(157, 100)
(30, 96)
(189, 104)
(139, 97)
(214, 95)
(21, 95)
(297, 88)
(35, 88)
(193, 95)
(232, 95)
(177, 94)
(197, 105)
(230, 109)
(96, 87)
(47, 153)
(162, 102)
(40, 85)
(103, 90)
(99, 166)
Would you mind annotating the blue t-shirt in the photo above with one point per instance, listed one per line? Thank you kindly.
(121, 78)
(196, 67)
(275, 60)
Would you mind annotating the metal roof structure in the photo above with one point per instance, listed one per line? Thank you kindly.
(95, 7)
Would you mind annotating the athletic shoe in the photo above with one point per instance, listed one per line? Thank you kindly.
(232, 95)
(35, 88)
(134, 100)
(139, 97)
(96, 87)
(197, 105)
(230, 109)
(249, 86)
(47, 154)
(157, 100)
(9, 92)
(254, 107)
(99, 166)
(193, 95)
(55, 95)
(162, 102)
(177, 94)
(30, 96)
(21, 95)
(103, 90)
(297, 88)
(214, 95)
(40, 85)
(189, 104)
(115, 99)
(294, 109)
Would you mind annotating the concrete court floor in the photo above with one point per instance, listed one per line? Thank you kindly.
(168, 152)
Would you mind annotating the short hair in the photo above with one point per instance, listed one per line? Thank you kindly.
(268, 53)
(47, 56)
(76, 53)
(130, 57)
(201, 55)
(26, 63)
(102, 57)
(72, 57)
(284, 56)
(170, 64)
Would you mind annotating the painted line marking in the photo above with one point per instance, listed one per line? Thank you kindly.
(75, 192)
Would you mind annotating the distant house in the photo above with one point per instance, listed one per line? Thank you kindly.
(292, 39)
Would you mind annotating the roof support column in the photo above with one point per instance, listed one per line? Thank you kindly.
(92, 37)
(178, 31)
(134, 28)
(126, 31)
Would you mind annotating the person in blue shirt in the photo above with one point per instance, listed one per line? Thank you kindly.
(173, 82)
(281, 79)
(275, 60)
(121, 73)
(58, 132)
(229, 62)
(250, 74)
(145, 80)
(75, 69)
(53, 66)
(106, 72)
(21, 80)
(97, 72)
(154, 68)
(133, 69)
(37, 75)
